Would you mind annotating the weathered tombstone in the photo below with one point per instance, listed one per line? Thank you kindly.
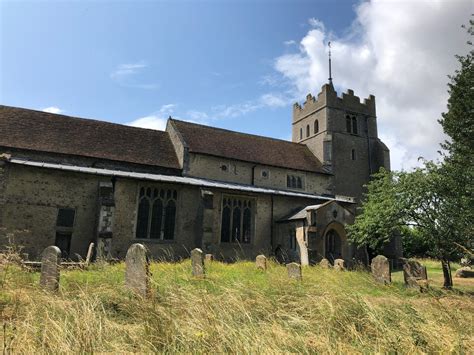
(89, 253)
(209, 257)
(381, 269)
(294, 271)
(324, 263)
(137, 270)
(197, 262)
(303, 249)
(413, 273)
(261, 262)
(50, 260)
(339, 265)
(464, 272)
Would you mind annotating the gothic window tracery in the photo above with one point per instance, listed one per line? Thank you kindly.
(236, 221)
(156, 215)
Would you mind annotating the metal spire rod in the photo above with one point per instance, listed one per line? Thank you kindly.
(330, 75)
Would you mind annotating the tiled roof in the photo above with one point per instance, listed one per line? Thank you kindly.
(45, 132)
(247, 147)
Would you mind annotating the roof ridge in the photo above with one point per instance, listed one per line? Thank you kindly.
(237, 132)
(80, 118)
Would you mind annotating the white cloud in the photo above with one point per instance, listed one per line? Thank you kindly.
(156, 120)
(289, 43)
(53, 109)
(126, 75)
(400, 51)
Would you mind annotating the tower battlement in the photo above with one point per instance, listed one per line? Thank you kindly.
(328, 97)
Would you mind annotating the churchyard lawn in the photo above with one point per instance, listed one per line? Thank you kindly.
(235, 308)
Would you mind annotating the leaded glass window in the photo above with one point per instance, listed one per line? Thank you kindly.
(237, 220)
(156, 214)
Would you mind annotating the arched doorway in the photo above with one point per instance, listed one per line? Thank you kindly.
(333, 245)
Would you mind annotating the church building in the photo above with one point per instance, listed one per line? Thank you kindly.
(70, 181)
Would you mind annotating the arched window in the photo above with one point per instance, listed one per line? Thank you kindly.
(316, 126)
(354, 125)
(236, 222)
(333, 245)
(348, 124)
(353, 154)
(225, 228)
(301, 133)
(293, 181)
(156, 215)
(307, 131)
(142, 219)
(156, 218)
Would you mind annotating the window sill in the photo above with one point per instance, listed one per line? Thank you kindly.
(154, 241)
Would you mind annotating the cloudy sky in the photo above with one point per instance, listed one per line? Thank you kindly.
(235, 64)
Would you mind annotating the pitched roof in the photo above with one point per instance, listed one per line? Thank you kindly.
(247, 147)
(46, 132)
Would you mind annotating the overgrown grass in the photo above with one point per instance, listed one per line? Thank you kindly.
(236, 308)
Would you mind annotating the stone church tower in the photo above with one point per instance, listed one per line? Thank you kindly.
(342, 133)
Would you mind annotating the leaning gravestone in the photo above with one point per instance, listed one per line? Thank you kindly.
(261, 262)
(381, 269)
(414, 273)
(339, 265)
(50, 260)
(137, 270)
(90, 251)
(294, 271)
(325, 263)
(197, 262)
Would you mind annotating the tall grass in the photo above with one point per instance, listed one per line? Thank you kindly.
(235, 309)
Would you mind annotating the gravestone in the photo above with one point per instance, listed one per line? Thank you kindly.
(137, 270)
(261, 262)
(209, 257)
(414, 273)
(197, 262)
(464, 272)
(302, 247)
(325, 263)
(50, 260)
(381, 269)
(339, 265)
(294, 271)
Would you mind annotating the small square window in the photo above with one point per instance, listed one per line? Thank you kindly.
(66, 217)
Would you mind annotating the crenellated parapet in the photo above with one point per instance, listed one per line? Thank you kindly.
(328, 98)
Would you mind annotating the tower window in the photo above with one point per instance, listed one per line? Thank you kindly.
(348, 124)
(307, 131)
(353, 154)
(316, 126)
(354, 125)
(301, 133)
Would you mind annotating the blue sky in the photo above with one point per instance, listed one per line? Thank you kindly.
(232, 64)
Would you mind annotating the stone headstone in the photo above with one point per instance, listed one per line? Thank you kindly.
(137, 270)
(261, 262)
(302, 247)
(413, 273)
(464, 272)
(294, 271)
(90, 251)
(381, 269)
(50, 260)
(325, 263)
(197, 262)
(339, 265)
(209, 257)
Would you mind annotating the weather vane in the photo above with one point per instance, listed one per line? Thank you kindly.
(330, 75)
